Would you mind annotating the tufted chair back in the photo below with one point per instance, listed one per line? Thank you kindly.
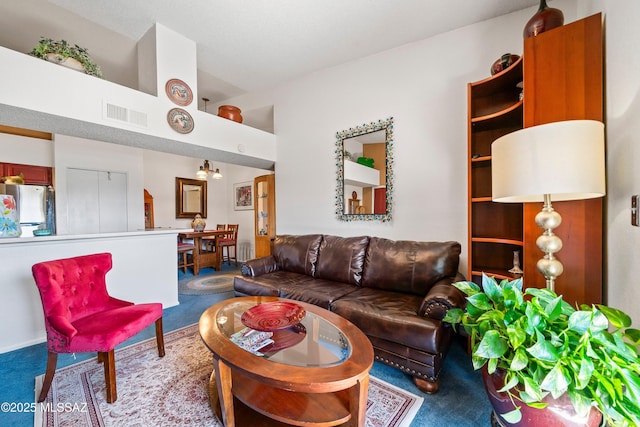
(71, 289)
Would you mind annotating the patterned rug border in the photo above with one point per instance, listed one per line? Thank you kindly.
(403, 417)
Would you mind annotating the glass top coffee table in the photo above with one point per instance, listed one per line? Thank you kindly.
(314, 370)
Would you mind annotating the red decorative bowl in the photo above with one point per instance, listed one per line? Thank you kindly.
(272, 316)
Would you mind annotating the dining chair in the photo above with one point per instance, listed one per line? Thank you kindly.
(183, 255)
(80, 316)
(228, 242)
(210, 242)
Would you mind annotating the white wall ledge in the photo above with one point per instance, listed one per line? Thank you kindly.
(40, 95)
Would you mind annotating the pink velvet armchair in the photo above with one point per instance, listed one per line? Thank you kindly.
(80, 316)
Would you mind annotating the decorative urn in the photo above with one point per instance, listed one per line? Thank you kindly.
(230, 112)
(545, 19)
(198, 223)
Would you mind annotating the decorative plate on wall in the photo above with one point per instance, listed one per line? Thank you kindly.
(180, 120)
(179, 92)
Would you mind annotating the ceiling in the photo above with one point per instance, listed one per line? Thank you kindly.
(242, 45)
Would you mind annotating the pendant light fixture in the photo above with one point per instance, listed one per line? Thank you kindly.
(204, 171)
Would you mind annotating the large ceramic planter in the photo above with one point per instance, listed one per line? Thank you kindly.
(558, 413)
(68, 62)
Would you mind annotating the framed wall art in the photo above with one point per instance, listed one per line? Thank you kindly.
(243, 196)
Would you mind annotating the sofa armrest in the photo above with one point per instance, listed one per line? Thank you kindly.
(258, 266)
(442, 297)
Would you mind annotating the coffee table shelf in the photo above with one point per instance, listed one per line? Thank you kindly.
(292, 408)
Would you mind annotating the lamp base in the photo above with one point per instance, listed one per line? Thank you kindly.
(548, 219)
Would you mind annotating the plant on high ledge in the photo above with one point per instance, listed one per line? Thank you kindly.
(546, 349)
(59, 51)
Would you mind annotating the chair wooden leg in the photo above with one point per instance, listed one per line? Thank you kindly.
(222, 254)
(184, 262)
(110, 375)
(160, 337)
(52, 360)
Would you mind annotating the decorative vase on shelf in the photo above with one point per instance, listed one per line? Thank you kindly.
(544, 19)
(504, 62)
(9, 220)
(516, 264)
(230, 112)
(198, 223)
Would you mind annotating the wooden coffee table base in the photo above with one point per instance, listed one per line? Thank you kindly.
(255, 404)
(325, 389)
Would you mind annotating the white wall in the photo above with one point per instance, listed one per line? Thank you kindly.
(24, 150)
(160, 171)
(423, 86)
(623, 152)
(72, 152)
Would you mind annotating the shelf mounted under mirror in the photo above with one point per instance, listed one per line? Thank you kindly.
(364, 158)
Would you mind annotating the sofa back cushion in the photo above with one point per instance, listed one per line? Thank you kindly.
(297, 253)
(409, 266)
(341, 259)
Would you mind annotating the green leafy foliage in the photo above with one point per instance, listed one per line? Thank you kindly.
(66, 50)
(546, 346)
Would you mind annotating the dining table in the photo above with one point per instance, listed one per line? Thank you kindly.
(203, 257)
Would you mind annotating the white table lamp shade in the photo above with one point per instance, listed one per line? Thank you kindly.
(563, 159)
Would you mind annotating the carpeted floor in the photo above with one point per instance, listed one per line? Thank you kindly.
(461, 401)
(173, 389)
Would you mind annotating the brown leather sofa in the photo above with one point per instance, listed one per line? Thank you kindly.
(396, 292)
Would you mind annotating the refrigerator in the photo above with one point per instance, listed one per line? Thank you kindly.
(35, 205)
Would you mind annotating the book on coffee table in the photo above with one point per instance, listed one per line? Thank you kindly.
(252, 340)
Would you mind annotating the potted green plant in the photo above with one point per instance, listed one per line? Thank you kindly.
(63, 53)
(545, 349)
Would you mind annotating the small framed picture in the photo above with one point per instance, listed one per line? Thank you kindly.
(243, 196)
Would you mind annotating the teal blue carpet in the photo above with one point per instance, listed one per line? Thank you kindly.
(461, 401)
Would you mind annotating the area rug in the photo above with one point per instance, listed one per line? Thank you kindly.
(208, 284)
(172, 390)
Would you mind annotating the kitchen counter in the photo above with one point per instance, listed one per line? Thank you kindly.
(35, 239)
(144, 270)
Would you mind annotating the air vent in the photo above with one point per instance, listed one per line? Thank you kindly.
(123, 114)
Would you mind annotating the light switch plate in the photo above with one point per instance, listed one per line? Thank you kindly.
(634, 210)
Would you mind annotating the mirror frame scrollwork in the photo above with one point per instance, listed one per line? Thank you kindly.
(180, 183)
(387, 125)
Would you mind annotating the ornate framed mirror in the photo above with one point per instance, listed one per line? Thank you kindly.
(191, 198)
(364, 157)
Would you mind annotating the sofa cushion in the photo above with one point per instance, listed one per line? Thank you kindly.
(267, 284)
(318, 291)
(409, 266)
(341, 259)
(390, 316)
(297, 253)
